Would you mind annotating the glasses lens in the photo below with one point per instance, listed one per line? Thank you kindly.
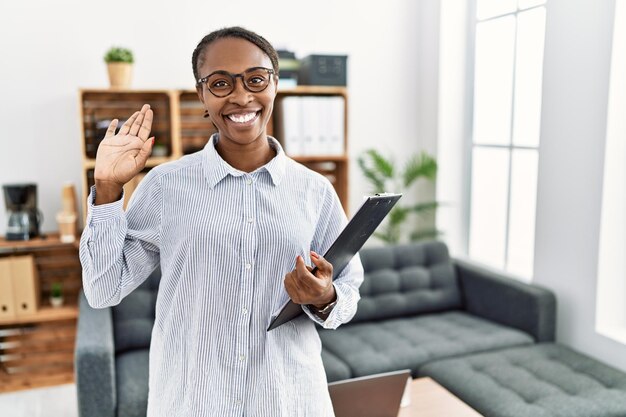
(221, 84)
(256, 79)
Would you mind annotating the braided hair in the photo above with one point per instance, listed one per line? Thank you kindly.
(232, 32)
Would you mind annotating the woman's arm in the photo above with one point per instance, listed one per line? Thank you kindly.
(331, 222)
(118, 250)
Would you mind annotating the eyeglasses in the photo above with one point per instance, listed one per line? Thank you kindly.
(222, 83)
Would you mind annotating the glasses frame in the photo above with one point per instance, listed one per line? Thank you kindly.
(204, 80)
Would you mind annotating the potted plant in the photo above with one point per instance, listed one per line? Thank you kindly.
(56, 294)
(120, 65)
(384, 176)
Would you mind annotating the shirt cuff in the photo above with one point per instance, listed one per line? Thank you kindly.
(103, 212)
(327, 324)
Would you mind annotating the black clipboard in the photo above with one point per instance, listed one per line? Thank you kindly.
(371, 213)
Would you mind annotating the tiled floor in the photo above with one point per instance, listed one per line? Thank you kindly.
(58, 401)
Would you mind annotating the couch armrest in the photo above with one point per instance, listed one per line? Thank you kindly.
(502, 299)
(95, 361)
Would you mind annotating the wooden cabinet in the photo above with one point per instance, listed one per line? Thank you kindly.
(180, 129)
(37, 343)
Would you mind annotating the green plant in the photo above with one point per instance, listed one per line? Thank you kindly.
(382, 174)
(56, 290)
(118, 54)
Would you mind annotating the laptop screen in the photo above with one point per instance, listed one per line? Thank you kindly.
(376, 395)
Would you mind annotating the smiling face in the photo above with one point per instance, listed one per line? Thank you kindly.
(242, 116)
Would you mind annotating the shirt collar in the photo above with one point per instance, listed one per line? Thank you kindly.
(216, 169)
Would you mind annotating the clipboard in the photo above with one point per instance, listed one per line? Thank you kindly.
(351, 239)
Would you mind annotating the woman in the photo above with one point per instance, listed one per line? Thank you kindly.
(233, 228)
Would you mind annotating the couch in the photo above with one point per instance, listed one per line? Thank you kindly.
(420, 309)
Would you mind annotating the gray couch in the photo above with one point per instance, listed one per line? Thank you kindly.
(421, 310)
(418, 305)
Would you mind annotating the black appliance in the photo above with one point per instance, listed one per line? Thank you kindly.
(23, 216)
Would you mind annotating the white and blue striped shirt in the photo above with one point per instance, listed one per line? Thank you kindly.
(225, 240)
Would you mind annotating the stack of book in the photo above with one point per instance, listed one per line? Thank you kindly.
(312, 125)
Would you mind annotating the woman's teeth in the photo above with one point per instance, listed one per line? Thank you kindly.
(242, 118)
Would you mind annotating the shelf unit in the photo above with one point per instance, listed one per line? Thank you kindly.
(181, 129)
(38, 349)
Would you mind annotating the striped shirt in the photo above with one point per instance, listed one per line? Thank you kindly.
(224, 240)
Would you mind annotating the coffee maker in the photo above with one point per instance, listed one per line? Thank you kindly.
(23, 216)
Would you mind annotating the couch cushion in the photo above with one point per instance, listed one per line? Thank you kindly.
(133, 319)
(131, 375)
(545, 380)
(335, 368)
(389, 345)
(406, 280)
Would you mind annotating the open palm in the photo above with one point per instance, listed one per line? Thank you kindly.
(123, 155)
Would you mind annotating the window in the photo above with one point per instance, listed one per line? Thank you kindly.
(508, 62)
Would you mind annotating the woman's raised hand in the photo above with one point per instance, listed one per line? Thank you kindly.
(120, 157)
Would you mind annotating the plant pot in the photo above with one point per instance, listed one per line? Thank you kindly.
(56, 302)
(120, 74)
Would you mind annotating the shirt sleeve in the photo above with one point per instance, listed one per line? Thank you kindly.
(331, 222)
(118, 249)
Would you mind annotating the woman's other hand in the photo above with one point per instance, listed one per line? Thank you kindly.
(305, 288)
(123, 155)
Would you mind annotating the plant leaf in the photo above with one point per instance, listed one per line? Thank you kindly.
(422, 165)
(424, 207)
(381, 164)
(398, 215)
(425, 234)
(372, 176)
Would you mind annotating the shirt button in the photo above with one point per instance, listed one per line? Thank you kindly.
(248, 266)
(250, 219)
(244, 310)
(242, 358)
(237, 402)
(248, 181)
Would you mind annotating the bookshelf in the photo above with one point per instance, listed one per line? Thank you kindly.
(180, 129)
(37, 347)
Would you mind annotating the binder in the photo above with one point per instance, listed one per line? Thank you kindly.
(25, 285)
(351, 239)
(7, 306)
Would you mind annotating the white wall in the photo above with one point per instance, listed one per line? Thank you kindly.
(51, 49)
(452, 146)
(571, 166)
(611, 292)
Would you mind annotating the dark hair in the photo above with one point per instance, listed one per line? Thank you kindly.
(232, 32)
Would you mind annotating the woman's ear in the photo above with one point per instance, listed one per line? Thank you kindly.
(276, 85)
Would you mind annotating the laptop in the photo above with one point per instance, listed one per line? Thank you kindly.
(376, 395)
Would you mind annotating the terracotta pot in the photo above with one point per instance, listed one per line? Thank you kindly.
(120, 74)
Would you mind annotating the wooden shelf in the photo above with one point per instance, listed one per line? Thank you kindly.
(313, 90)
(179, 121)
(321, 158)
(45, 314)
(43, 242)
(38, 349)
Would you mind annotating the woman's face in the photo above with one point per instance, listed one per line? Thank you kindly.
(242, 116)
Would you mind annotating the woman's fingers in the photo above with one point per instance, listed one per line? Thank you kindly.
(126, 126)
(134, 129)
(111, 129)
(144, 152)
(325, 268)
(146, 125)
